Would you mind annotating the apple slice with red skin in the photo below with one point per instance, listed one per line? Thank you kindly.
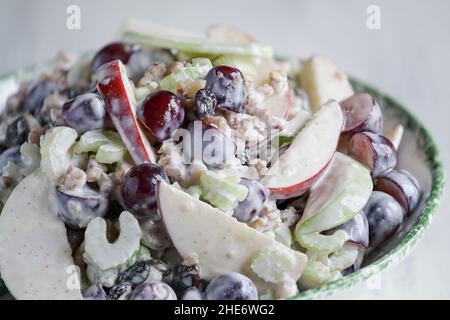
(278, 104)
(308, 156)
(115, 87)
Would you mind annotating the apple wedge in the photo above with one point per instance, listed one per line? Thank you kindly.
(220, 242)
(35, 256)
(278, 105)
(115, 87)
(323, 81)
(308, 156)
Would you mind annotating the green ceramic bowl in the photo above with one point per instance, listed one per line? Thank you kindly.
(417, 154)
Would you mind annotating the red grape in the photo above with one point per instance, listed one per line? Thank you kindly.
(161, 113)
(228, 85)
(138, 190)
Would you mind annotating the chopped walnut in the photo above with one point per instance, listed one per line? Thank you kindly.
(172, 161)
(290, 216)
(94, 170)
(269, 219)
(174, 66)
(51, 108)
(35, 129)
(63, 62)
(120, 172)
(188, 87)
(74, 179)
(153, 72)
(105, 183)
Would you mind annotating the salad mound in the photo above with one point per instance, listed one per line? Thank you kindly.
(173, 166)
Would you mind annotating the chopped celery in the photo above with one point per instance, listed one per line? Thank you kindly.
(151, 35)
(314, 275)
(284, 235)
(320, 243)
(338, 196)
(344, 257)
(220, 192)
(334, 276)
(243, 63)
(110, 153)
(194, 71)
(274, 265)
(55, 151)
(92, 140)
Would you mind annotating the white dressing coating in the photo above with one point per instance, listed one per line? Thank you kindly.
(106, 255)
(35, 256)
(219, 241)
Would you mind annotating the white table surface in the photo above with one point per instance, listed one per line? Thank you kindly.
(407, 58)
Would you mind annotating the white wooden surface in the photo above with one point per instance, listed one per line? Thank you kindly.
(408, 58)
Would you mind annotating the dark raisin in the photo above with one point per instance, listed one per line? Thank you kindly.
(205, 103)
(121, 291)
(17, 131)
(186, 276)
(136, 274)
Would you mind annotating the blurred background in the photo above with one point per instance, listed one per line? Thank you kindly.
(408, 58)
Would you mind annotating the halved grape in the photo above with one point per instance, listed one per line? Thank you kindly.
(374, 151)
(362, 113)
(250, 208)
(384, 215)
(401, 185)
(231, 286)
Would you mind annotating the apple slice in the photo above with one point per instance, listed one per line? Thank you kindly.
(337, 198)
(115, 87)
(308, 155)
(323, 81)
(35, 255)
(220, 242)
(278, 104)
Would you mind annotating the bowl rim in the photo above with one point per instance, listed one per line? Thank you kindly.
(408, 242)
(405, 245)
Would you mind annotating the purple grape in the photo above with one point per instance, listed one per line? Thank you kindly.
(207, 143)
(138, 190)
(113, 51)
(85, 112)
(95, 292)
(231, 286)
(35, 98)
(228, 85)
(249, 209)
(193, 294)
(121, 291)
(357, 229)
(374, 151)
(17, 131)
(401, 185)
(162, 113)
(384, 214)
(77, 208)
(362, 113)
(153, 290)
(140, 59)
